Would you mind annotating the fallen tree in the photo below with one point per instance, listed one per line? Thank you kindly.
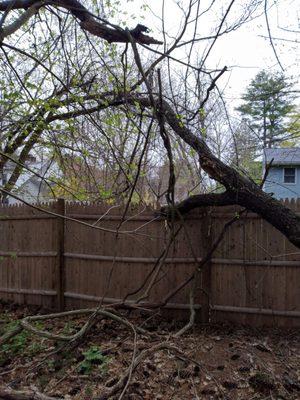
(239, 189)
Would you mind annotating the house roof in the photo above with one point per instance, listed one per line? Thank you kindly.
(41, 168)
(283, 156)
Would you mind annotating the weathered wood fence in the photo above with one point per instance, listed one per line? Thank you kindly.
(56, 262)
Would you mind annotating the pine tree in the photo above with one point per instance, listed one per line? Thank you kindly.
(267, 104)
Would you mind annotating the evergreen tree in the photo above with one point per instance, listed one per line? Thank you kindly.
(293, 130)
(267, 104)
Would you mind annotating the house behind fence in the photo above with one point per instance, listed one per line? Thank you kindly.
(80, 260)
(283, 179)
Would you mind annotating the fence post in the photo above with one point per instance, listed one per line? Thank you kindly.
(60, 264)
(205, 274)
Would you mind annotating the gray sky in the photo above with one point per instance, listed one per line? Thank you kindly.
(246, 50)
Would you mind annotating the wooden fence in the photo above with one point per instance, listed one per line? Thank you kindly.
(78, 260)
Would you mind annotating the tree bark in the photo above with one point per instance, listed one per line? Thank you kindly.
(239, 189)
(109, 32)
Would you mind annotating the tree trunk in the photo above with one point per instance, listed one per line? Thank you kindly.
(239, 189)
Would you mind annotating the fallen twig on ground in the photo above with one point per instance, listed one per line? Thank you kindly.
(10, 394)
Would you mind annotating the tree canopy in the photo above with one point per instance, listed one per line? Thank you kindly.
(75, 83)
(268, 102)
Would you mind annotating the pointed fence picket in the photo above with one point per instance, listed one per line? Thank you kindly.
(68, 255)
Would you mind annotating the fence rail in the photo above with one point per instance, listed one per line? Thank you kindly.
(78, 259)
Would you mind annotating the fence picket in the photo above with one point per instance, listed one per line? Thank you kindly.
(56, 262)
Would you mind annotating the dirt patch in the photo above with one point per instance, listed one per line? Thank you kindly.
(216, 362)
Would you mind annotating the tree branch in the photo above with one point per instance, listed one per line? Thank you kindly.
(201, 200)
(104, 30)
(13, 27)
(239, 188)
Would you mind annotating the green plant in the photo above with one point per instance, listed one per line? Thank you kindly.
(18, 343)
(51, 364)
(93, 357)
(267, 103)
(35, 348)
(69, 328)
(15, 346)
(88, 391)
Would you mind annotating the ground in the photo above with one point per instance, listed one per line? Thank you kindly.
(213, 362)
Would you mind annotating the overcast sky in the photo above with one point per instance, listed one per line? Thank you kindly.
(245, 51)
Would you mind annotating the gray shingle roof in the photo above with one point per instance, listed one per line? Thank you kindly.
(284, 156)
